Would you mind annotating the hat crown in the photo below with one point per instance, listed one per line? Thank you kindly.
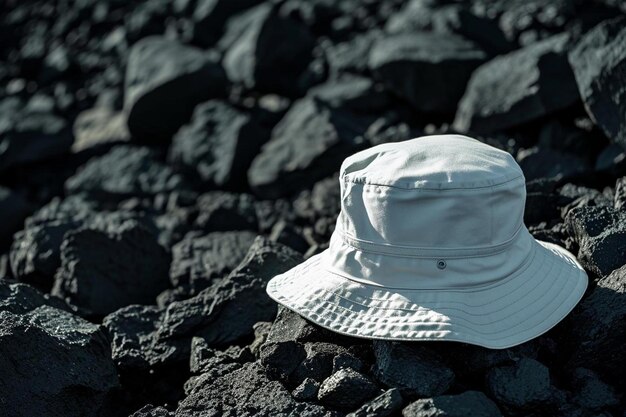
(441, 191)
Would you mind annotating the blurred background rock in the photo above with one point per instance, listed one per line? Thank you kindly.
(144, 146)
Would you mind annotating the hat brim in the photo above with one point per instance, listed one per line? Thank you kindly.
(516, 309)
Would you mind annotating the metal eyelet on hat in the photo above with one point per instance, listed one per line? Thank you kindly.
(441, 264)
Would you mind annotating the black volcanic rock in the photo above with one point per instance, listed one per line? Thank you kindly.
(430, 70)
(20, 298)
(414, 370)
(445, 18)
(124, 171)
(258, 56)
(591, 392)
(596, 337)
(599, 62)
(518, 87)
(209, 18)
(548, 163)
(151, 411)
(152, 339)
(231, 306)
(351, 56)
(346, 389)
(473, 403)
(101, 272)
(13, 211)
(600, 232)
(246, 392)
(98, 127)
(55, 364)
(151, 370)
(217, 145)
(198, 260)
(36, 250)
(522, 386)
(307, 390)
(358, 93)
(164, 81)
(386, 404)
(310, 142)
(222, 211)
(29, 135)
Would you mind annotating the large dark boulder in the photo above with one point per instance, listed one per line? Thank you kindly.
(29, 135)
(210, 16)
(309, 143)
(346, 390)
(103, 271)
(600, 232)
(54, 364)
(523, 386)
(518, 87)
(217, 145)
(599, 64)
(124, 171)
(430, 70)
(164, 81)
(414, 370)
(152, 344)
(599, 331)
(246, 391)
(198, 260)
(18, 298)
(258, 55)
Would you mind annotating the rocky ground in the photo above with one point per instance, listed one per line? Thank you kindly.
(161, 160)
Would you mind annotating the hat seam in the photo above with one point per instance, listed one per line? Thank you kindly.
(485, 336)
(527, 262)
(413, 251)
(365, 182)
(368, 306)
(365, 319)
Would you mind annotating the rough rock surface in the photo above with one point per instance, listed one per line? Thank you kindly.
(245, 392)
(145, 145)
(29, 134)
(522, 386)
(414, 370)
(99, 127)
(48, 355)
(385, 405)
(123, 172)
(198, 260)
(599, 327)
(427, 69)
(218, 144)
(161, 72)
(346, 389)
(519, 87)
(128, 265)
(328, 135)
(152, 339)
(257, 51)
(472, 403)
(600, 232)
(599, 64)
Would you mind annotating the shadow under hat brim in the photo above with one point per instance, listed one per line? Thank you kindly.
(516, 309)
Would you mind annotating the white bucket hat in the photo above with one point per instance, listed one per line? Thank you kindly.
(430, 244)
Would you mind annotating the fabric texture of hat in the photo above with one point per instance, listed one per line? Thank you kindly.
(430, 244)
